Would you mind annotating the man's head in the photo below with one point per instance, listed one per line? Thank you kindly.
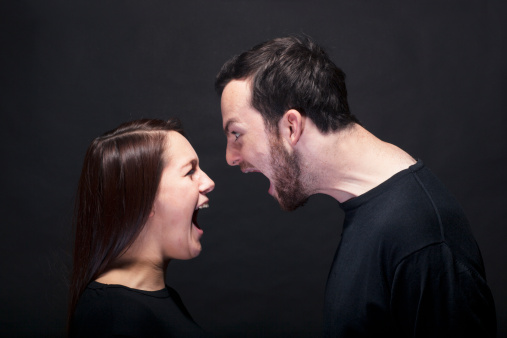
(291, 73)
(256, 149)
(291, 78)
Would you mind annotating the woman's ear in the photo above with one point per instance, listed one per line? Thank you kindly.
(291, 126)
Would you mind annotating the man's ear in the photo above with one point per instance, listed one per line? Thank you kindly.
(291, 126)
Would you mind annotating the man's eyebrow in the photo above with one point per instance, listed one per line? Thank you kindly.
(227, 125)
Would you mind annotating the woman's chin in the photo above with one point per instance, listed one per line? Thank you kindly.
(196, 245)
(195, 251)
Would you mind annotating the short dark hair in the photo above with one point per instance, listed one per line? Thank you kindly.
(292, 73)
(115, 195)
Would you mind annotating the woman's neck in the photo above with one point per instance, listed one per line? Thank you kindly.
(145, 275)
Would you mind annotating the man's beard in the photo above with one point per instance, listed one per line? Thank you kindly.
(287, 177)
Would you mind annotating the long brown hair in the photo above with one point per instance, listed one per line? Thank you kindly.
(119, 180)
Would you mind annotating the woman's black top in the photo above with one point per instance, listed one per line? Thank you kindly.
(119, 311)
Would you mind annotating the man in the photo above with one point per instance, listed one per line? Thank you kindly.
(407, 264)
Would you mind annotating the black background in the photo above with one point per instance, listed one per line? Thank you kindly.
(428, 76)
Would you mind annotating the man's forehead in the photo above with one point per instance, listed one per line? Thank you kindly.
(238, 86)
(235, 101)
(236, 107)
(236, 95)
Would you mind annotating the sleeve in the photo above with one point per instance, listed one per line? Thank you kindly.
(436, 295)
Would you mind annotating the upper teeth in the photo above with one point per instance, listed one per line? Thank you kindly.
(205, 205)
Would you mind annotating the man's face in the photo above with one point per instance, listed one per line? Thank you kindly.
(255, 149)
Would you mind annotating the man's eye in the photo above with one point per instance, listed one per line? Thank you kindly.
(236, 135)
(191, 172)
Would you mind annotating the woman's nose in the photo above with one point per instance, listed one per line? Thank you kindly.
(207, 184)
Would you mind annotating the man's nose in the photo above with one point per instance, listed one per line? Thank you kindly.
(232, 156)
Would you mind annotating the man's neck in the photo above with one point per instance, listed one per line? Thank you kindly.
(349, 162)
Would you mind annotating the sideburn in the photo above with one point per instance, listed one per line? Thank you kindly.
(287, 176)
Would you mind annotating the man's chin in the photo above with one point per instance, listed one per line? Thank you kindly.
(290, 204)
(291, 207)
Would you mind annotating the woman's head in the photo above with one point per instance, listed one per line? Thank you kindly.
(118, 193)
(171, 229)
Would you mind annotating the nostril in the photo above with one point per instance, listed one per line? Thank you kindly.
(231, 161)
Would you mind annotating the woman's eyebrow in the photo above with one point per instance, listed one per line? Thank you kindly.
(193, 162)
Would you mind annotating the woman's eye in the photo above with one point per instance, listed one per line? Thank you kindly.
(191, 172)
(236, 135)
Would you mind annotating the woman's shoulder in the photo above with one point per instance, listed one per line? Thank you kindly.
(114, 309)
(119, 310)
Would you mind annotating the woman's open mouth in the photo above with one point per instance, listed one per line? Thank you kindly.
(196, 211)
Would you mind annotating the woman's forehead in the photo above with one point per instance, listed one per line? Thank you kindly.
(178, 149)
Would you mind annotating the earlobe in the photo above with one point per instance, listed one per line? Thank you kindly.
(292, 126)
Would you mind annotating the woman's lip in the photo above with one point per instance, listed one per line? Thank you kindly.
(203, 205)
(199, 230)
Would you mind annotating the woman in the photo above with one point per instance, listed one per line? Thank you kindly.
(136, 208)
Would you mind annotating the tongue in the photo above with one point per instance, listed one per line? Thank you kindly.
(194, 218)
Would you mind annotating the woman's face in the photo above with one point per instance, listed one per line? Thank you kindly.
(181, 193)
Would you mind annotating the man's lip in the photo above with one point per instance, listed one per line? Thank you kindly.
(250, 170)
(271, 189)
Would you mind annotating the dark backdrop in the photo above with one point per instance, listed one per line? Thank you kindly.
(427, 76)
